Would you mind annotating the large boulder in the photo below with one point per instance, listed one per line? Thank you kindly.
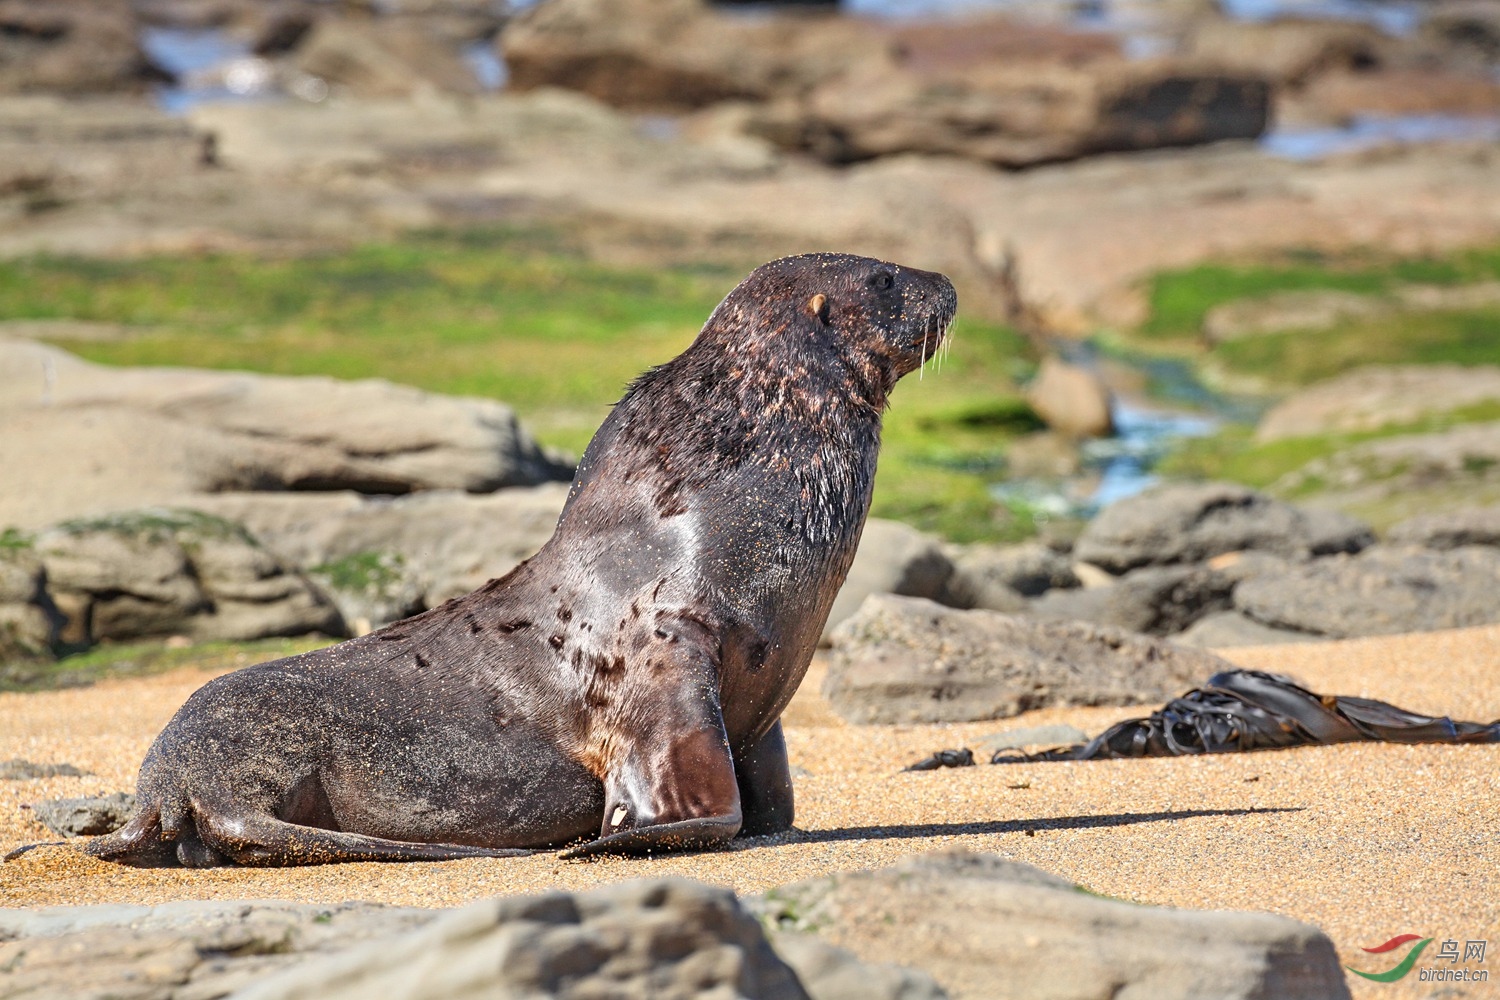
(675, 55)
(156, 573)
(904, 660)
(984, 926)
(1381, 591)
(72, 47)
(374, 59)
(894, 558)
(1288, 51)
(1227, 629)
(1406, 475)
(1449, 530)
(1026, 570)
(1158, 600)
(657, 938)
(28, 619)
(381, 558)
(1377, 396)
(1018, 113)
(1072, 400)
(1193, 522)
(85, 439)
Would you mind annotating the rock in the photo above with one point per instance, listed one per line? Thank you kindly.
(1027, 569)
(1072, 400)
(662, 937)
(1288, 51)
(676, 55)
(1044, 455)
(1194, 522)
(1226, 629)
(1373, 397)
(145, 436)
(1404, 91)
(1020, 112)
(179, 950)
(371, 59)
(987, 927)
(29, 620)
(71, 47)
(1406, 475)
(1383, 590)
(17, 769)
(87, 816)
(1469, 526)
(1158, 600)
(830, 973)
(904, 660)
(893, 558)
(1472, 27)
(388, 553)
(1319, 309)
(159, 572)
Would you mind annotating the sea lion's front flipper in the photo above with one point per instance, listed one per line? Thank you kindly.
(669, 783)
(765, 779)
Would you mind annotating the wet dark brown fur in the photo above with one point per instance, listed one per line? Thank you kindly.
(625, 683)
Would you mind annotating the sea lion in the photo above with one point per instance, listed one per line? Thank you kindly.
(627, 681)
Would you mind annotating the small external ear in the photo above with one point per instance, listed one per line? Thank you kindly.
(818, 306)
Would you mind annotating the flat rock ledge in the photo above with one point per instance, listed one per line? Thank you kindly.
(904, 660)
(987, 927)
(959, 924)
(652, 938)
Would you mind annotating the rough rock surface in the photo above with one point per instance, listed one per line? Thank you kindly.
(904, 659)
(151, 435)
(1288, 51)
(86, 816)
(1159, 600)
(28, 619)
(374, 59)
(1019, 112)
(1381, 591)
(378, 554)
(158, 573)
(893, 558)
(1225, 629)
(1072, 400)
(652, 938)
(17, 769)
(1028, 569)
(1190, 523)
(987, 927)
(676, 55)
(1379, 396)
(71, 47)
(1408, 474)
(1450, 530)
(663, 937)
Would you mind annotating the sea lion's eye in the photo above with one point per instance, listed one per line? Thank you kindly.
(883, 280)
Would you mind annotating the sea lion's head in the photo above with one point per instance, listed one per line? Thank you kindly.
(871, 318)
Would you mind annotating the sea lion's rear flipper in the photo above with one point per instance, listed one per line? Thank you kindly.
(669, 783)
(204, 837)
(267, 842)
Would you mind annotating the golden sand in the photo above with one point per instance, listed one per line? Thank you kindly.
(1365, 841)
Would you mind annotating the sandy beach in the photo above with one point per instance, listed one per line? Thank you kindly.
(1364, 841)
